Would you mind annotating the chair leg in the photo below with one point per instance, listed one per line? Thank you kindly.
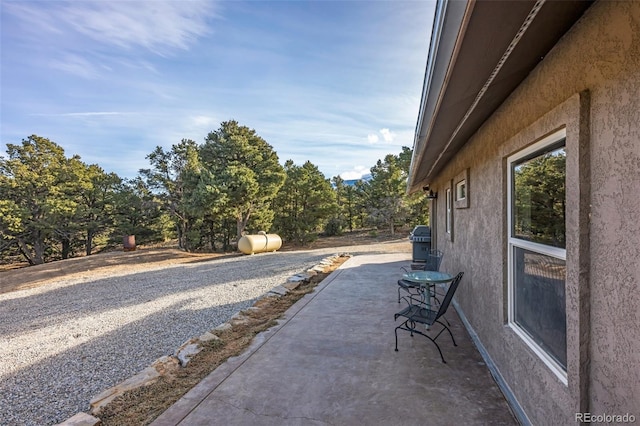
(447, 328)
(404, 326)
(401, 328)
(396, 332)
(404, 289)
(438, 347)
(446, 320)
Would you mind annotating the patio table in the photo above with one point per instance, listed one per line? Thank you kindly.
(427, 278)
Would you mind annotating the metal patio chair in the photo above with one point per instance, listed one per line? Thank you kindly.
(418, 314)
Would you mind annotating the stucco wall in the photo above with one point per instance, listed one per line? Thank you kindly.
(590, 83)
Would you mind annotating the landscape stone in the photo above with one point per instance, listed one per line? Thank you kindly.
(81, 419)
(208, 336)
(279, 290)
(297, 278)
(145, 377)
(223, 327)
(238, 319)
(166, 364)
(291, 285)
(185, 352)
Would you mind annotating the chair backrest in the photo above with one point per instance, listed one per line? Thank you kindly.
(433, 260)
(447, 298)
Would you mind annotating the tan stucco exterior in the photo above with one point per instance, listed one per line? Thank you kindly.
(589, 84)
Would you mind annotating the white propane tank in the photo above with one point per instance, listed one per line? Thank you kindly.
(261, 243)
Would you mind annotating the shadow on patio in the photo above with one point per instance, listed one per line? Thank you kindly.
(331, 360)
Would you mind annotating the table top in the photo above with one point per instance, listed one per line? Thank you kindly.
(427, 277)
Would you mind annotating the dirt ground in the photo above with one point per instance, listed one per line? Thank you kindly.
(12, 278)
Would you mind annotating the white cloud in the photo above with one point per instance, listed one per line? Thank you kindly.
(76, 65)
(202, 121)
(154, 25)
(387, 135)
(159, 26)
(84, 114)
(356, 173)
(195, 127)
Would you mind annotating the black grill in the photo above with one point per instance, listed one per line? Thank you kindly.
(417, 239)
(420, 237)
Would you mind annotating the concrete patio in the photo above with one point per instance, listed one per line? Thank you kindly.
(331, 360)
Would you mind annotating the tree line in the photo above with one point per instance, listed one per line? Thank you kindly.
(204, 195)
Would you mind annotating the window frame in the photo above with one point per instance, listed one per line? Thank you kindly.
(461, 180)
(461, 190)
(448, 220)
(513, 242)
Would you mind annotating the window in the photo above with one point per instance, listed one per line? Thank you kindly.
(449, 217)
(461, 190)
(537, 250)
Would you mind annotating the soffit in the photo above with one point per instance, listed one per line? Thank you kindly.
(484, 53)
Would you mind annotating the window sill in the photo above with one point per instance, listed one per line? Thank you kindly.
(555, 368)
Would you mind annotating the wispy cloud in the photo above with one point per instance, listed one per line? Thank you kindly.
(372, 138)
(76, 65)
(83, 114)
(150, 24)
(159, 26)
(202, 120)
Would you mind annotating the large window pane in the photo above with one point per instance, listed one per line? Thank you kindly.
(539, 302)
(539, 197)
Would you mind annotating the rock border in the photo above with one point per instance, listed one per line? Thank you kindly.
(169, 364)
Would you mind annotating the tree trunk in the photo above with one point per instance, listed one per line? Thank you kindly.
(241, 223)
(25, 251)
(186, 227)
(181, 233)
(66, 248)
(38, 248)
(89, 242)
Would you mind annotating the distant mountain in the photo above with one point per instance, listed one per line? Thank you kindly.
(352, 182)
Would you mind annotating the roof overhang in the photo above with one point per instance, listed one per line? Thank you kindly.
(480, 52)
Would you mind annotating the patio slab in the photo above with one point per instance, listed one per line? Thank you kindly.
(331, 360)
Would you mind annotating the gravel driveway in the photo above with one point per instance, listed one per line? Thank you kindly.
(63, 343)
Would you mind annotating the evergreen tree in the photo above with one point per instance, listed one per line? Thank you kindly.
(31, 182)
(304, 204)
(248, 172)
(137, 211)
(540, 199)
(171, 176)
(385, 192)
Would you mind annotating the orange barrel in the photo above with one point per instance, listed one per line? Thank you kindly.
(250, 244)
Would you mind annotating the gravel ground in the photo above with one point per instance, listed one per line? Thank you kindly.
(63, 343)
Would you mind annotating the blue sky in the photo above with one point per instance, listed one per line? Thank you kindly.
(337, 83)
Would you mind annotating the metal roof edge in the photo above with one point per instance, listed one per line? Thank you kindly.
(448, 26)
